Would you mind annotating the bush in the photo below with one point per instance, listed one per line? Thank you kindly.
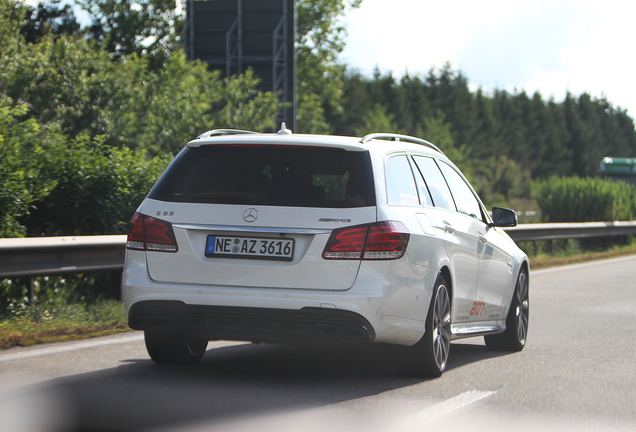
(97, 189)
(21, 154)
(574, 199)
(44, 298)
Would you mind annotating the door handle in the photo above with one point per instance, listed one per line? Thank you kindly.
(448, 227)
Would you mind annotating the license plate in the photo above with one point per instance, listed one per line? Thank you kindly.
(249, 247)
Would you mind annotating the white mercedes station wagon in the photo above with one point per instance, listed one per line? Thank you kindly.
(287, 238)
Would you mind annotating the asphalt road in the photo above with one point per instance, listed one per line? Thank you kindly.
(577, 373)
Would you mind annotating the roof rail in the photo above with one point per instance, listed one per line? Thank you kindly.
(398, 137)
(216, 132)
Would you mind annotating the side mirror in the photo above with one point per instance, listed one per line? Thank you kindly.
(503, 217)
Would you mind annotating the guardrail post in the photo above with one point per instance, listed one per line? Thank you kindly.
(115, 285)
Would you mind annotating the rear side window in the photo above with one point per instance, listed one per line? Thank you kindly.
(400, 183)
(436, 183)
(268, 175)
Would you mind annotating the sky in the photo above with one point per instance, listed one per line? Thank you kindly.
(550, 46)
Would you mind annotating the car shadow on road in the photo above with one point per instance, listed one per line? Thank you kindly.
(467, 352)
(235, 382)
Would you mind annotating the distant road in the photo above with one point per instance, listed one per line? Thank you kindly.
(578, 372)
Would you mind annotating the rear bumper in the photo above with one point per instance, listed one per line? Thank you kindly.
(388, 301)
(250, 324)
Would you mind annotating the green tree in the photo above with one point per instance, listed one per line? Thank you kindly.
(22, 156)
(448, 91)
(50, 185)
(150, 29)
(65, 80)
(486, 141)
(82, 156)
(514, 119)
(319, 41)
(412, 106)
(237, 104)
(586, 141)
(356, 103)
(557, 157)
(11, 21)
(439, 132)
(163, 109)
(377, 120)
(49, 18)
(500, 179)
(144, 27)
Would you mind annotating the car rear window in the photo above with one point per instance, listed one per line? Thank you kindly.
(269, 175)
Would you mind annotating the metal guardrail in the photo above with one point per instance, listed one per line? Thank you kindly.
(553, 231)
(47, 256)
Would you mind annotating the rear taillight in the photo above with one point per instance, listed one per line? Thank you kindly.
(377, 241)
(148, 233)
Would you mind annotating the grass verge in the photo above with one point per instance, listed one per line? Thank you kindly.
(36, 325)
(543, 260)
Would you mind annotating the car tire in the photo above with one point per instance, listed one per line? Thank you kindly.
(172, 348)
(514, 337)
(430, 354)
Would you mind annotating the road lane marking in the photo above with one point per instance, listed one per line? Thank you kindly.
(427, 415)
(68, 347)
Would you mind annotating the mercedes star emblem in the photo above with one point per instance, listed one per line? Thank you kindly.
(250, 215)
